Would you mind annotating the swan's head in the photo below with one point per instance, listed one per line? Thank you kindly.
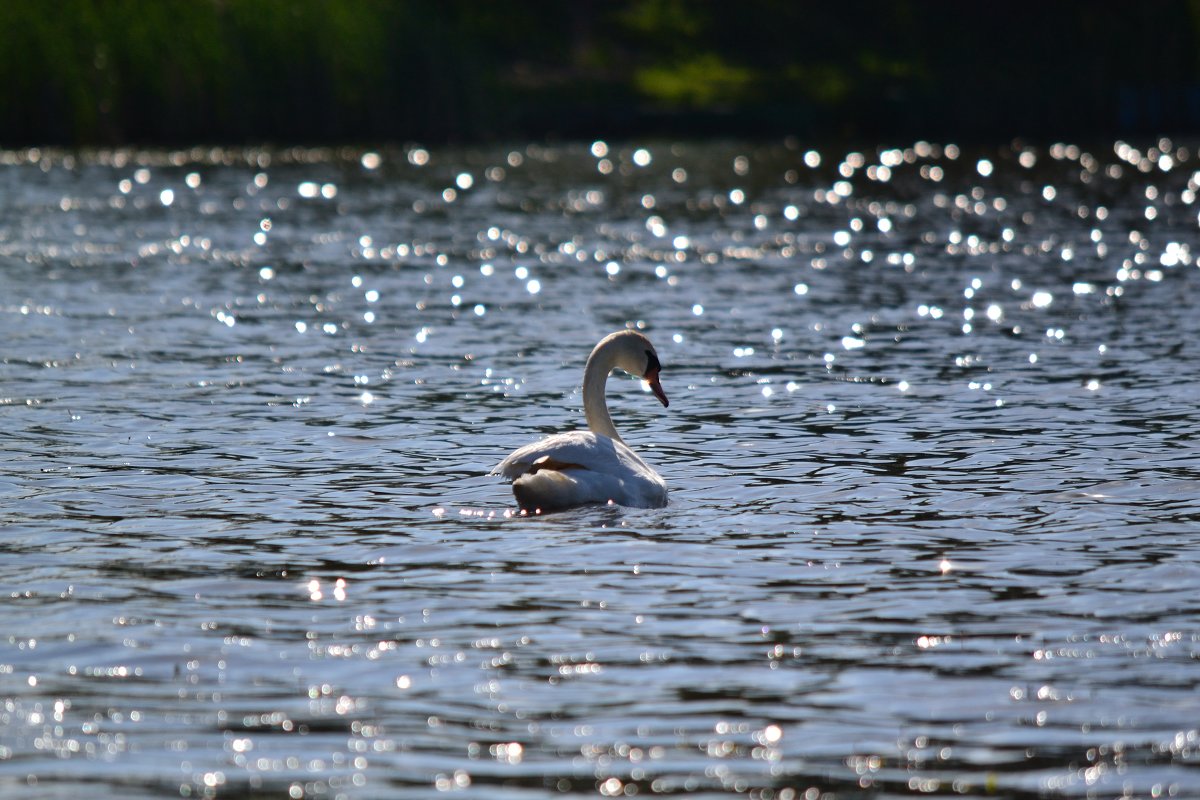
(635, 355)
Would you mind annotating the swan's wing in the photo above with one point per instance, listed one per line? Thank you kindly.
(571, 469)
(577, 449)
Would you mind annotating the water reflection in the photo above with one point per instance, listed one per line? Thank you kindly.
(933, 471)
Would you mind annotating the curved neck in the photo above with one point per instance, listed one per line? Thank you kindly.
(599, 364)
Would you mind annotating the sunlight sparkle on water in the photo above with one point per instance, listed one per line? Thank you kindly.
(253, 428)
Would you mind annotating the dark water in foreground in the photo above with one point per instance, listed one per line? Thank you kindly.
(933, 452)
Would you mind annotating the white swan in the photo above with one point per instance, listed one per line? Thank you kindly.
(582, 467)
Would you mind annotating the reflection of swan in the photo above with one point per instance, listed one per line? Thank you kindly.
(581, 467)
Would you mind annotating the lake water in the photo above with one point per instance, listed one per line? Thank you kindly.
(933, 451)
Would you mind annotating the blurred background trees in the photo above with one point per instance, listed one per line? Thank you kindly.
(303, 71)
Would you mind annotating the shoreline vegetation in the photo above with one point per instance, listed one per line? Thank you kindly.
(173, 72)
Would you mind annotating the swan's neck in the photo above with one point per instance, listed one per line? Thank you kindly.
(595, 408)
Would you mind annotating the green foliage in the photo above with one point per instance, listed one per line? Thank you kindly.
(699, 82)
(182, 71)
(678, 18)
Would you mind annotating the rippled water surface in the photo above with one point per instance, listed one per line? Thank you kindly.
(932, 449)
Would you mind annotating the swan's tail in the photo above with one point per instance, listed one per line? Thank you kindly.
(551, 490)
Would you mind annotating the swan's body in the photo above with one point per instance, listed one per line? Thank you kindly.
(594, 466)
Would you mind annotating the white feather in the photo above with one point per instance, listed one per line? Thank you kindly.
(578, 468)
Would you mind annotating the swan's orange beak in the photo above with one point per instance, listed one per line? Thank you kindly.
(656, 387)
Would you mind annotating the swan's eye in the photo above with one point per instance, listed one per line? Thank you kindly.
(652, 365)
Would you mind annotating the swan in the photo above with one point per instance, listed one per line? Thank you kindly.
(594, 466)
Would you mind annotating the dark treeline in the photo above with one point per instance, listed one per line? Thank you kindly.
(105, 72)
